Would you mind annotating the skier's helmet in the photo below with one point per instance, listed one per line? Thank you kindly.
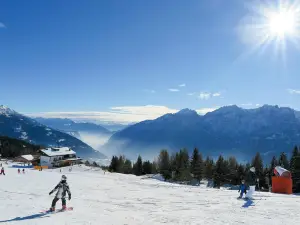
(63, 178)
(252, 169)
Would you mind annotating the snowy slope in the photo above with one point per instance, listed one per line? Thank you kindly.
(115, 199)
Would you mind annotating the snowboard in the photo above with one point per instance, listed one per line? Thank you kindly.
(57, 210)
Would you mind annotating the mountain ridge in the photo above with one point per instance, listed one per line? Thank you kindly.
(229, 129)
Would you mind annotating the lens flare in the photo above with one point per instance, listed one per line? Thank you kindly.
(273, 23)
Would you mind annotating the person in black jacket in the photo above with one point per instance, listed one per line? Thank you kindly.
(62, 189)
(251, 182)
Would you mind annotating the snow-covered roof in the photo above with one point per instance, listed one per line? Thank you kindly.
(27, 157)
(58, 151)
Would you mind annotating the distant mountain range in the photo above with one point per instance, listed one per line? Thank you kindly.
(15, 125)
(229, 130)
(68, 125)
(93, 134)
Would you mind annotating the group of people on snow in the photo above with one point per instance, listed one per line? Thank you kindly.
(19, 171)
(247, 186)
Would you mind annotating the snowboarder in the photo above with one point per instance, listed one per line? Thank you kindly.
(61, 188)
(2, 171)
(242, 189)
(251, 182)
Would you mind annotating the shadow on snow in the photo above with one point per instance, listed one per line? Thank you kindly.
(34, 216)
(248, 203)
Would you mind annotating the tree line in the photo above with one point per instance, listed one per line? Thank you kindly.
(181, 167)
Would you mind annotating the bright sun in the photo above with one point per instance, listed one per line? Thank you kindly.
(274, 23)
(282, 24)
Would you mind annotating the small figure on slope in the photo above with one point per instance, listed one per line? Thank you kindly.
(19, 171)
(2, 171)
(62, 188)
(242, 189)
(251, 182)
(23, 171)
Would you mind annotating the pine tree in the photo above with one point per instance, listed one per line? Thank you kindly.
(121, 162)
(283, 161)
(138, 166)
(219, 173)
(197, 165)
(127, 167)
(296, 174)
(113, 164)
(183, 165)
(257, 162)
(147, 167)
(273, 164)
(295, 154)
(164, 164)
(209, 168)
(154, 168)
(232, 174)
(241, 172)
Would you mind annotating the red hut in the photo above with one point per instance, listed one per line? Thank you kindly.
(282, 181)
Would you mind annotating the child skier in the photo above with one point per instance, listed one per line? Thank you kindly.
(242, 189)
(61, 188)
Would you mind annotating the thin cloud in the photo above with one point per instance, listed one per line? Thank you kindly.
(121, 114)
(191, 94)
(293, 91)
(2, 25)
(181, 85)
(217, 94)
(208, 95)
(150, 91)
(173, 89)
(204, 95)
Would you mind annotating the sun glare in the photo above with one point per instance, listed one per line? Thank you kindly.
(275, 23)
(282, 24)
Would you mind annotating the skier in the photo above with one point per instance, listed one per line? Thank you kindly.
(2, 171)
(61, 188)
(242, 189)
(23, 171)
(19, 171)
(251, 182)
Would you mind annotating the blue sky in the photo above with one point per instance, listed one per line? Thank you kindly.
(108, 59)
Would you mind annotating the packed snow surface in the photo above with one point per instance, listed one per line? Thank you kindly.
(116, 199)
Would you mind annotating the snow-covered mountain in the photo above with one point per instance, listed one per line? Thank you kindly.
(15, 125)
(229, 130)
